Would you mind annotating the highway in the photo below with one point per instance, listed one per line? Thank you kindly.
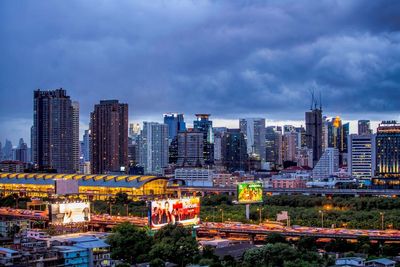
(209, 228)
(105, 222)
(305, 191)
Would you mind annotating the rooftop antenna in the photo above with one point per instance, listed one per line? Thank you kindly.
(320, 100)
(312, 98)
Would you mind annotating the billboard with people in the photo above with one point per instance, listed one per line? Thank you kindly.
(185, 211)
(250, 192)
(63, 213)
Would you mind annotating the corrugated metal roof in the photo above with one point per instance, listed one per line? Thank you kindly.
(134, 181)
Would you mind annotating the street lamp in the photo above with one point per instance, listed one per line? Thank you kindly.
(260, 215)
(322, 218)
(382, 220)
(222, 215)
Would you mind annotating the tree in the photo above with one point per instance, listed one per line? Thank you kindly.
(175, 243)
(307, 243)
(129, 243)
(275, 238)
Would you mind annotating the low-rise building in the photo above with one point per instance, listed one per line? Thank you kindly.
(383, 262)
(11, 227)
(195, 176)
(230, 179)
(350, 261)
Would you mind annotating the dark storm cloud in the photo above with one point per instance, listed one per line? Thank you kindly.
(229, 58)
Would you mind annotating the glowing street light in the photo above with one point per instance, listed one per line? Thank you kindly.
(382, 220)
(322, 218)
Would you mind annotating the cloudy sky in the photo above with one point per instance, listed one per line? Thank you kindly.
(228, 58)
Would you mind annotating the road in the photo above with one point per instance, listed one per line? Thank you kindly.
(210, 228)
(305, 191)
(254, 229)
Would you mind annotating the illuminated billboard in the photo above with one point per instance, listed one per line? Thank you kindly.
(63, 213)
(250, 192)
(185, 211)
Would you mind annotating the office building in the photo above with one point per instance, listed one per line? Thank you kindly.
(253, 130)
(289, 146)
(361, 156)
(134, 129)
(75, 135)
(176, 123)
(7, 150)
(314, 132)
(53, 131)
(21, 153)
(153, 147)
(195, 176)
(190, 149)
(86, 146)
(388, 150)
(203, 124)
(109, 137)
(327, 165)
(234, 151)
(364, 127)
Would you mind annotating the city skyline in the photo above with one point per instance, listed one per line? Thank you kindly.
(229, 59)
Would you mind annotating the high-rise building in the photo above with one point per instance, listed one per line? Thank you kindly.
(75, 135)
(190, 149)
(388, 150)
(301, 137)
(53, 131)
(134, 129)
(364, 127)
(21, 153)
(314, 132)
(327, 165)
(8, 150)
(176, 123)
(337, 137)
(254, 131)
(109, 137)
(270, 145)
(289, 146)
(153, 147)
(361, 155)
(203, 124)
(234, 151)
(86, 146)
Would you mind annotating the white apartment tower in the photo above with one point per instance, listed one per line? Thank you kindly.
(327, 164)
(153, 147)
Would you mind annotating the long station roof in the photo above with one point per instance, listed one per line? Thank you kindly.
(136, 181)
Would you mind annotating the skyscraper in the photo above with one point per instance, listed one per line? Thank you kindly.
(21, 152)
(364, 127)
(388, 150)
(75, 135)
(314, 132)
(254, 131)
(327, 164)
(190, 149)
(234, 151)
(53, 131)
(361, 155)
(153, 147)
(176, 124)
(109, 133)
(8, 150)
(289, 146)
(86, 146)
(203, 124)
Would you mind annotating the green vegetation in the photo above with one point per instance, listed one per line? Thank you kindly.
(172, 243)
(350, 212)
